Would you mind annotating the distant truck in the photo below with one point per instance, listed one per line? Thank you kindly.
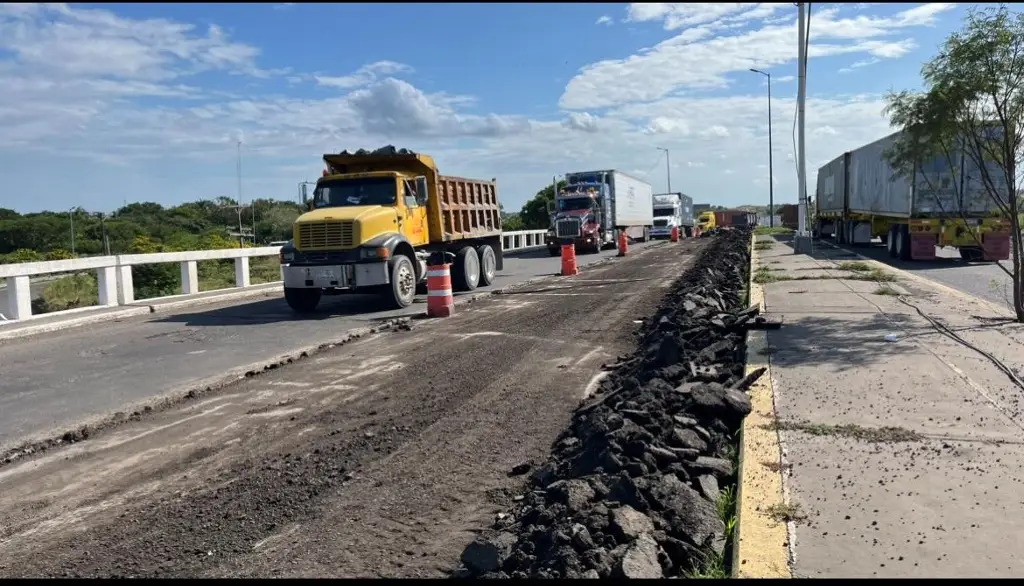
(374, 220)
(860, 196)
(595, 206)
(672, 210)
(731, 218)
(706, 221)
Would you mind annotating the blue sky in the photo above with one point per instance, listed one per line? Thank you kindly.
(107, 103)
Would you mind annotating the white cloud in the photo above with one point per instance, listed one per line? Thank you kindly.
(94, 86)
(688, 61)
(364, 75)
(605, 20)
(858, 64)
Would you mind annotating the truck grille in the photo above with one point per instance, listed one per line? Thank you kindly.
(661, 222)
(568, 228)
(312, 235)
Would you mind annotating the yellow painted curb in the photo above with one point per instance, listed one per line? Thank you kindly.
(762, 543)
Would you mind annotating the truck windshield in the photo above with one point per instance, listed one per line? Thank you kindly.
(662, 212)
(370, 191)
(574, 203)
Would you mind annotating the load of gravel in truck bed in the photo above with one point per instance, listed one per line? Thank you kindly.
(632, 489)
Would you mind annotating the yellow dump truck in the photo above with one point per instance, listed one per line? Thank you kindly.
(706, 221)
(374, 220)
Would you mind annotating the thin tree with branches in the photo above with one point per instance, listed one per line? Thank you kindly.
(969, 117)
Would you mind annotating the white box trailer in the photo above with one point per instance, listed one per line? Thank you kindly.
(860, 197)
(595, 206)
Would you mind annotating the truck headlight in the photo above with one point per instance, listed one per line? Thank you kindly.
(287, 257)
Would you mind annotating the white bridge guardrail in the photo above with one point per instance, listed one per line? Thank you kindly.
(114, 273)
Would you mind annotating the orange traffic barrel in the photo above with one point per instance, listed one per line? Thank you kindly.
(675, 234)
(623, 243)
(440, 302)
(569, 267)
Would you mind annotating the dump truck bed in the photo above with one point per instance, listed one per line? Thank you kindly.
(464, 208)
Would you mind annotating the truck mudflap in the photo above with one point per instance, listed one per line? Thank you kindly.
(922, 246)
(349, 276)
(996, 246)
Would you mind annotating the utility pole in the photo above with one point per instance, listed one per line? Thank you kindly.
(771, 176)
(802, 241)
(668, 169)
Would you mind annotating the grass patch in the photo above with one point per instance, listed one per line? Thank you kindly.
(866, 434)
(877, 275)
(786, 513)
(766, 275)
(767, 230)
(854, 265)
(885, 289)
(763, 245)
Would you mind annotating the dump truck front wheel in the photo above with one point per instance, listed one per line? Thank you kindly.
(403, 282)
(302, 300)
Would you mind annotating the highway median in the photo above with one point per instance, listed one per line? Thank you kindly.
(643, 483)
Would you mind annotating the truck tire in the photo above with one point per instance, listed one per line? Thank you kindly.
(902, 242)
(890, 241)
(488, 264)
(466, 272)
(403, 282)
(302, 300)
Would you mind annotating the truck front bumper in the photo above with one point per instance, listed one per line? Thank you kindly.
(344, 276)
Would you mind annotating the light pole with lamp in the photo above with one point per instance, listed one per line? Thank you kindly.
(771, 177)
(71, 215)
(668, 169)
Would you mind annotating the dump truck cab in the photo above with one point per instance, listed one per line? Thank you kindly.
(374, 219)
(706, 221)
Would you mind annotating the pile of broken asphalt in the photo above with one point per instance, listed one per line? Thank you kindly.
(634, 487)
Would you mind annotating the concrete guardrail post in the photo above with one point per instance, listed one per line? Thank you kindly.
(106, 278)
(189, 277)
(242, 271)
(19, 297)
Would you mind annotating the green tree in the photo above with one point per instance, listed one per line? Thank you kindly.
(973, 104)
(534, 214)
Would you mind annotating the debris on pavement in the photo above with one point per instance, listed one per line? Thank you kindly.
(632, 489)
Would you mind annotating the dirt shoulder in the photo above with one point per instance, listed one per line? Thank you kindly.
(377, 458)
(899, 412)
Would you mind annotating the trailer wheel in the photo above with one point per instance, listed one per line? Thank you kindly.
(971, 253)
(890, 241)
(903, 242)
(403, 282)
(488, 264)
(466, 273)
(302, 300)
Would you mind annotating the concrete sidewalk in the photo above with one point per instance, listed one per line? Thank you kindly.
(900, 446)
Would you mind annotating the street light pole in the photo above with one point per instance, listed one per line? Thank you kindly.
(771, 176)
(802, 242)
(668, 169)
(71, 214)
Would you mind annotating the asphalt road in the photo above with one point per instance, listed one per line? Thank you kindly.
(984, 280)
(376, 458)
(51, 381)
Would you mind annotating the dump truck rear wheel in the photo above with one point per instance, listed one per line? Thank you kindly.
(403, 282)
(488, 264)
(302, 300)
(466, 275)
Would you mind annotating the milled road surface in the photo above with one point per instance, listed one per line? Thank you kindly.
(51, 380)
(375, 458)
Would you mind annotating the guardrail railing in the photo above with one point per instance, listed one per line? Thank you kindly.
(114, 273)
